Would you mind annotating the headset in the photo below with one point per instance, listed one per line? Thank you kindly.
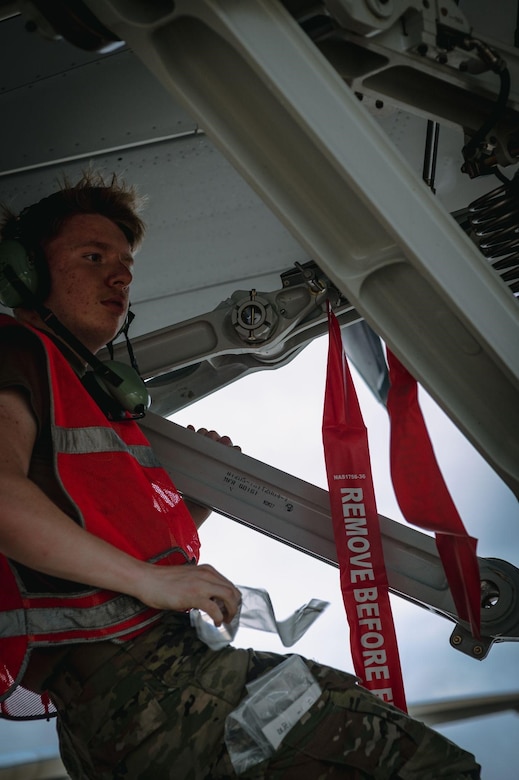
(116, 387)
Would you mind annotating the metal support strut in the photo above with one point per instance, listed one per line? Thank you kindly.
(297, 513)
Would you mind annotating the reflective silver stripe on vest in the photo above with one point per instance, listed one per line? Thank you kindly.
(81, 441)
(36, 621)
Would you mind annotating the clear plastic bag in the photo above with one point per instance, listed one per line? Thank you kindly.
(274, 704)
(257, 612)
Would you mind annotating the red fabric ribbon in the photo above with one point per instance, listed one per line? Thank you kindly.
(357, 532)
(423, 496)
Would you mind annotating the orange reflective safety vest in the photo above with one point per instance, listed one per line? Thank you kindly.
(121, 494)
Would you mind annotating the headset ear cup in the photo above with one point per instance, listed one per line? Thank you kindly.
(14, 256)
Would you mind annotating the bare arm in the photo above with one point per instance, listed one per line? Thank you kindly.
(34, 532)
(198, 512)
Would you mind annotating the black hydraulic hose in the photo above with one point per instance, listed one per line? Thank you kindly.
(499, 66)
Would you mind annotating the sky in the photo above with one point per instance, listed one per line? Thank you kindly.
(275, 416)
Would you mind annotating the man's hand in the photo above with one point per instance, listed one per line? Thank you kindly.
(215, 437)
(186, 587)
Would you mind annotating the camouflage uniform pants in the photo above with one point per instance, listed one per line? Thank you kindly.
(155, 708)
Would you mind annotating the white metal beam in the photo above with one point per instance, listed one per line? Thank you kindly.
(297, 513)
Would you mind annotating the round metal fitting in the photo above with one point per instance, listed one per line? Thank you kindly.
(253, 318)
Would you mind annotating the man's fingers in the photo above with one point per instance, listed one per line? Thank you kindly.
(217, 610)
(215, 436)
(221, 592)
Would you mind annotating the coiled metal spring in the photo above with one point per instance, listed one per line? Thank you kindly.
(494, 221)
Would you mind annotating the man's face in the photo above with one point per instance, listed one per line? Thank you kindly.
(90, 266)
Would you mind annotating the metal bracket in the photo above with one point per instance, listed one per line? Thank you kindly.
(499, 597)
(423, 57)
(249, 331)
(298, 514)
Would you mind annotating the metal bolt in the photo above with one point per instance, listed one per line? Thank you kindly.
(477, 650)
(456, 639)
